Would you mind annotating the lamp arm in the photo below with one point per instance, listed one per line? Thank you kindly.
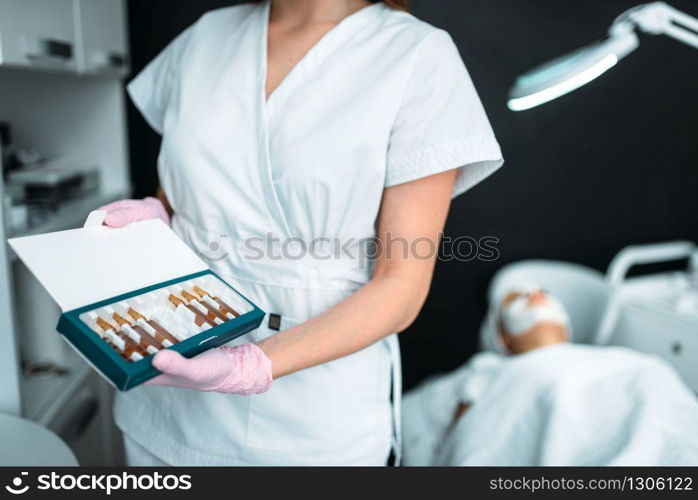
(659, 18)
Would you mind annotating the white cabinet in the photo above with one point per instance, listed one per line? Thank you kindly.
(49, 50)
(103, 44)
(85, 36)
(38, 33)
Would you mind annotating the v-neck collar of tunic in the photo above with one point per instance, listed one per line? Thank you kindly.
(268, 107)
(312, 55)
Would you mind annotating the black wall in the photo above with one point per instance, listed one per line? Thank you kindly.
(612, 164)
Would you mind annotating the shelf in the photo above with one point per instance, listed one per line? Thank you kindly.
(65, 36)
(43, 72)
(69, 216)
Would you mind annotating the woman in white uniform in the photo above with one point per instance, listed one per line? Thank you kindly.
(292, 125)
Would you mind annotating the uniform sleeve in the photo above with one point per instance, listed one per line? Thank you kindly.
(151, 89)
(441, 124)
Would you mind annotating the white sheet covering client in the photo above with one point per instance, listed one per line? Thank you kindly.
(540, 400)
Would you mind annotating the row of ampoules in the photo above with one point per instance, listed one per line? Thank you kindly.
(132, 332)
(203, 308)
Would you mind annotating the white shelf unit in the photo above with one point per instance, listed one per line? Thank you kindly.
(74, 36)
(73, 109)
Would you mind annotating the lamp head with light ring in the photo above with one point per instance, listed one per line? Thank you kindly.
(569, 72)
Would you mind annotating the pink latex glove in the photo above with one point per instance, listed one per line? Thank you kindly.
(123, 212)
(243, 369)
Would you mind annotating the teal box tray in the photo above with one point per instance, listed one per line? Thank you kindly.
(124, 374)
(128, 293)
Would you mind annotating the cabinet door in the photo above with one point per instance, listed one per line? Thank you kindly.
(37, 33)
(103, 30)
(80, 423)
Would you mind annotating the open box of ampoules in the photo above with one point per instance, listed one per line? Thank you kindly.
(128, 293)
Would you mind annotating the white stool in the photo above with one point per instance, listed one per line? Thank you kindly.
(25, 443)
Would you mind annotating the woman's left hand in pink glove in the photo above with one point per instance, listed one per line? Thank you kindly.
(124, 212)
(243, 369)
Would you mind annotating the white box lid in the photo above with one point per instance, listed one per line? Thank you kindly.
(82, 266)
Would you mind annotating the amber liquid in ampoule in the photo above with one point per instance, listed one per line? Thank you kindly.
(199, 317)
(161, 334)
(213, 313)
(224, 307)
(146, 340)
(131, 351)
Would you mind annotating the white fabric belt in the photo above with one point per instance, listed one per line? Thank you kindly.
(308, 272)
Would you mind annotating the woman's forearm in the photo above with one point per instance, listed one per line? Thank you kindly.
(385, 305)
(414, 212)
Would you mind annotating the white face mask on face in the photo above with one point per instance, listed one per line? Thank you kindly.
(518, 317)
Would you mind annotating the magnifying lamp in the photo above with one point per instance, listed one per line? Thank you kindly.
(569, 72)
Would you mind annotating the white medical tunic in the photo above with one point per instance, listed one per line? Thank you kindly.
(279, 194)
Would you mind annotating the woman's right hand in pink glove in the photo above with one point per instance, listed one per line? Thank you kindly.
(124, 212)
